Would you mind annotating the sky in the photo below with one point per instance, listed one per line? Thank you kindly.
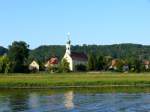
(102, 22)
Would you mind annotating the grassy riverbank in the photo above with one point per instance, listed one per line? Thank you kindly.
(73, 80)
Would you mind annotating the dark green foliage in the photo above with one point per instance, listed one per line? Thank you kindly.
(52, 68)
(43, 53)
(96, 62)
(18, 55)
(100, 63)
(100, 56)
(92, 62)
(41, 65)
(64, 66)
(81, 67)
(3, 50)
(119, 51)
(4, 64)
(136, 65)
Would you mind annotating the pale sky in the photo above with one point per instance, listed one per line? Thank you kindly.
(40, 22)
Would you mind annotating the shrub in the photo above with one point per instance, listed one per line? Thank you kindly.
(81, 67)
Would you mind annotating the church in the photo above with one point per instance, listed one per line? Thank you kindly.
(74, 58)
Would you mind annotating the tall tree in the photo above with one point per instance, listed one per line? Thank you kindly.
(91, 62)
(64, 66)
(18, 54)
(4, 64)
(100, 63)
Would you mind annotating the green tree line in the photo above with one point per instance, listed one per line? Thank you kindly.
(99, 56)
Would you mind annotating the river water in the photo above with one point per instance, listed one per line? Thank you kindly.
(75, 100)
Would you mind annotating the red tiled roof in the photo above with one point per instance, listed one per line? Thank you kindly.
(114, 62)
(79, 56)
(146, 62)
(53, 60)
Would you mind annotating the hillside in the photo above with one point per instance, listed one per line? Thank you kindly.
(43, 53)
(123, 51)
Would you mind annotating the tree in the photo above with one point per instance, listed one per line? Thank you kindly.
(91, 62)
(53, 68)
(18, 54)
(136, 65)
(64, 66)
(1, 64)
(100, 64)
(4, 64)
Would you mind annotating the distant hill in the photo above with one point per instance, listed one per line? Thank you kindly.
(123, 51)
(3, 50)
(43, 53)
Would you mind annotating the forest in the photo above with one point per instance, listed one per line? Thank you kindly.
(120, 51)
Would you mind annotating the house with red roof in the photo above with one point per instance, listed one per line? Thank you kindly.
(52, 62)
(146, 64)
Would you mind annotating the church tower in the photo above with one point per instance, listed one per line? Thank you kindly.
(68, 45)
(74, 58)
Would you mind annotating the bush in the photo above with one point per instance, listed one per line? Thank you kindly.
(81, 67)
(4, 64)
(64, 66)
(53, 69)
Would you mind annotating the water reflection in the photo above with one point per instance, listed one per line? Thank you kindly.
(18, 102)
(33, 100)
(73, 101)
(4, 104)
(68, 101)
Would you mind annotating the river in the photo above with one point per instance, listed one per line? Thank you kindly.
(75, 100)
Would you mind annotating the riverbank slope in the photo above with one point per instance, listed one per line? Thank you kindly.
(66, 80)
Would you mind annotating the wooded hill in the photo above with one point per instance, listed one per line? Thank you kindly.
(121, 51)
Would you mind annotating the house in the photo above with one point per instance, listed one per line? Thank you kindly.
(52, 62)
(113, 65)
(147, 64)
(118, 64)
(34, 66)
(74, 58)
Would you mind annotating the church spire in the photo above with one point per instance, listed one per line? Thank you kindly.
(68, 44)
(68, 35)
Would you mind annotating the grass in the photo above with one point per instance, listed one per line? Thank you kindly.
(44, 80)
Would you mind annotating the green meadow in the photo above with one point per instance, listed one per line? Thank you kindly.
(73, 80)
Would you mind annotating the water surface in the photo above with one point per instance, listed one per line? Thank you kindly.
(76, 100)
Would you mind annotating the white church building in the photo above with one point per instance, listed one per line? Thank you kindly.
(74, 58)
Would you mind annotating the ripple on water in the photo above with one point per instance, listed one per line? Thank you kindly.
(69, 101)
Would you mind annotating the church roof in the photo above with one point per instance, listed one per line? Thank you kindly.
(53, 60)
(79, 56)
